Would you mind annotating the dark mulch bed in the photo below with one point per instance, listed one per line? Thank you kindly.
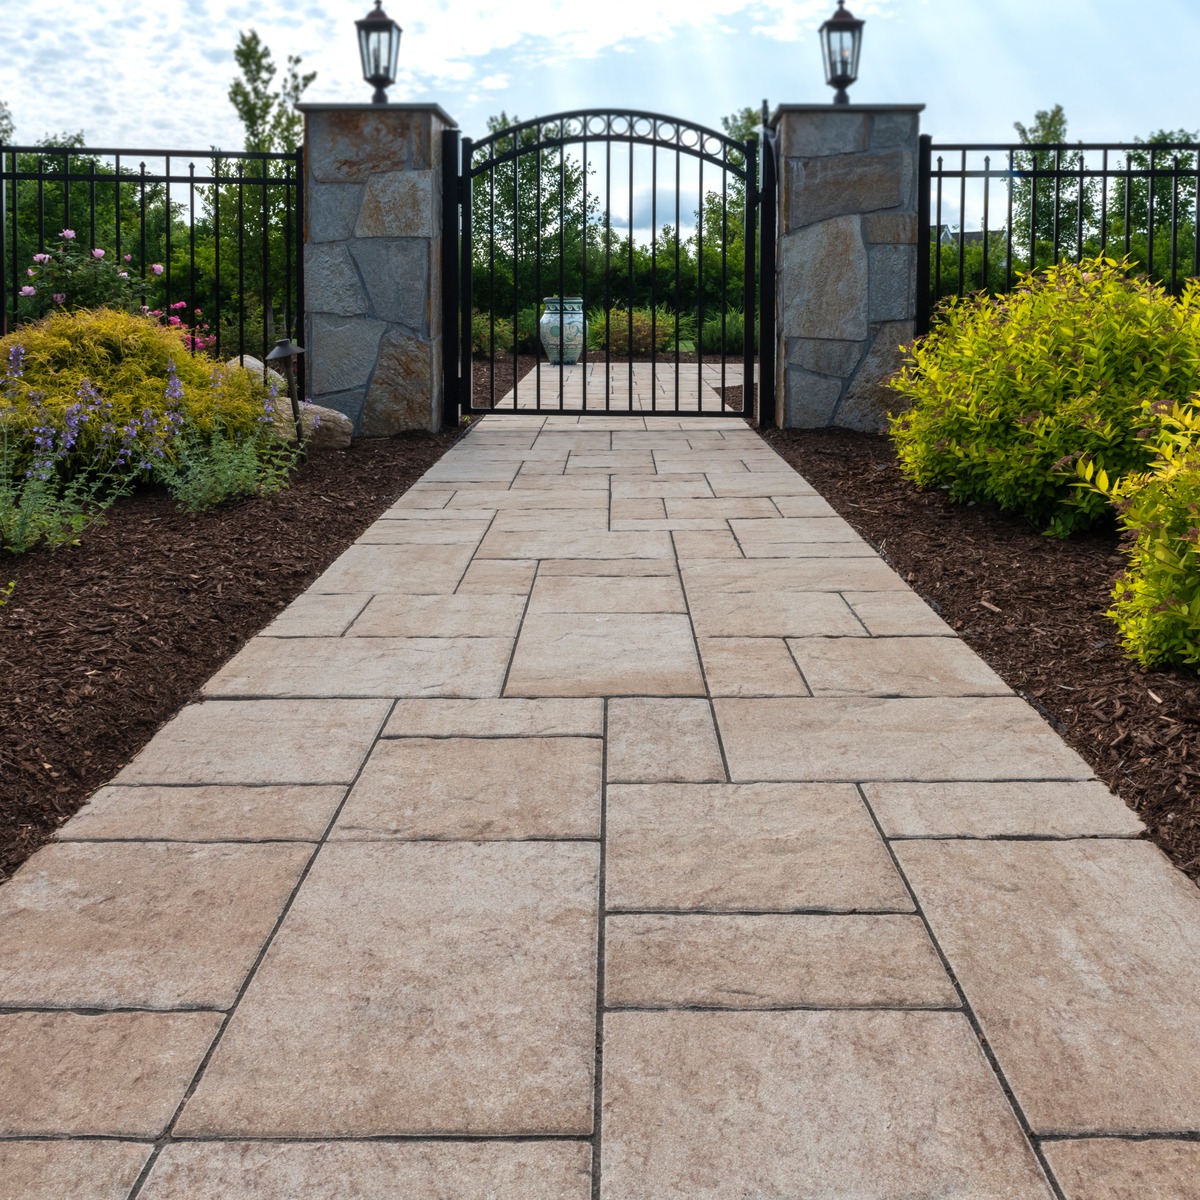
(101, 643)
(1033, 607)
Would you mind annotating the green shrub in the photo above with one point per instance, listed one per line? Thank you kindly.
(1007, 391)
(483, 338)
(127, 359)
(729, 341)
(1157, 597)
(643, 330)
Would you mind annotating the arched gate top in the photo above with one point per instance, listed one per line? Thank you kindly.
(628, 126)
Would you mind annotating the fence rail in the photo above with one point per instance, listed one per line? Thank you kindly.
(225, 227)
(990, 211)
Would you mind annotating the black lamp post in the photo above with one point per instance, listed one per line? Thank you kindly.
(841, 40)
(286, 351)
(379, 47)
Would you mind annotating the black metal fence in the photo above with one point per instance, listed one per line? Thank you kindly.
(214, 238)
(989, 212)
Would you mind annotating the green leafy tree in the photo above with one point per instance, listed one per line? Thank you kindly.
(6, 125)
(268, 115)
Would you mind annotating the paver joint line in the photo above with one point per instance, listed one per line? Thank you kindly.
(624, 768)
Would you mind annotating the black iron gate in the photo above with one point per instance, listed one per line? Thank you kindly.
(676, 298)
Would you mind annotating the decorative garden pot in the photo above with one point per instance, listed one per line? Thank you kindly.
(562, 329)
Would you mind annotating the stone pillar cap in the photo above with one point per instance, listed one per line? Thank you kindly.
(308, 106)
(834, 109)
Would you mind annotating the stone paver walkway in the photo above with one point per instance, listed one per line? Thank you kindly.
(609, 821)
(631, 387)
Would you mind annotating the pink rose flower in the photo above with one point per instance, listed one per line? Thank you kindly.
(122, 274)
(28, 291)
(29, 272)
(67, 234)
(59, 297)
(97, 253)
(156, 268)
(41, 258)
(129, 258)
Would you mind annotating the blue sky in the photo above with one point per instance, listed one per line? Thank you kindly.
(155, 74)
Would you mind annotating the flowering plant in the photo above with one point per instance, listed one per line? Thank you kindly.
(197, 333)
(58, 476)
(71, 275)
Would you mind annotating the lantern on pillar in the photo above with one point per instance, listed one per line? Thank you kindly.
(841, 40)
(379, 48)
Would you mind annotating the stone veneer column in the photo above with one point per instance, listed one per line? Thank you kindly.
(846, 259)
(372, 262)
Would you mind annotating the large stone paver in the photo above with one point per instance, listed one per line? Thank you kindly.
(75, 1170)
(609, 750)
(477, 788)
(260, 741)
(750, 847)
(772, 961)
(867, 738)
(807, 1105)
(361, 667)
(605, 654)
(418, 989)
(542, 1170)
(1082, 962)
(205, 814)
(120, 924)
(115, 1075)
(1123, 1169)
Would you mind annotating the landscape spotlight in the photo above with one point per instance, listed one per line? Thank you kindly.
(841, 40)
(379, 46)
(285, 353)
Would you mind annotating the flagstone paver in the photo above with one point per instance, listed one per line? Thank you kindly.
(610, 767)
(77, 1170)
(419, 988)
(806, 1104)
(1016, 808)
(478, 788)
(653, 740)
(772, 961)
(543, 1170)
(1081, 960)
(149, 925)
(116, 1074)
(761, 847)
(204, 814)
(1122, 1169)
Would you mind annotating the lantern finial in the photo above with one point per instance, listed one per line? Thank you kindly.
(379, 48)
(841, 41)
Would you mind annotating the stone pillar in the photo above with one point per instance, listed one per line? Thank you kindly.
(372, 262)
(845, 259)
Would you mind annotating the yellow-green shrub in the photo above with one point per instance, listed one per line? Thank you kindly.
(1006, 391)
(124, 357)
(1157, 597)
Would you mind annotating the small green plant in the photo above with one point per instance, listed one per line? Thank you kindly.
(6, 592)
(207, 469)
(1007, 391)
(1157, 597)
